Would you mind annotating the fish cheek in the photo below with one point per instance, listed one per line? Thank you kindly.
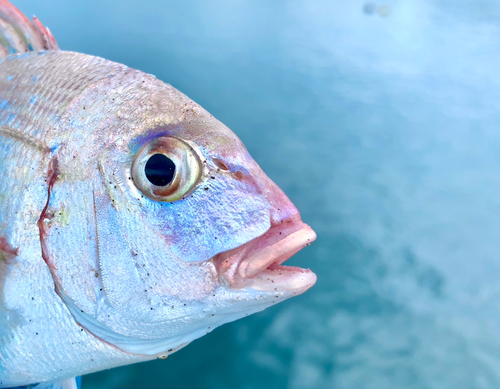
(141, 276)
(223, 213)
(100, 251)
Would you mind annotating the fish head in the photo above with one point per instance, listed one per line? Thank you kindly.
(190, 232)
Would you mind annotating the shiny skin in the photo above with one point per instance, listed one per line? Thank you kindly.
(104, 276)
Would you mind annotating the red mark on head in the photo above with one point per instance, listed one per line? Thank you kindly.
(7, 252)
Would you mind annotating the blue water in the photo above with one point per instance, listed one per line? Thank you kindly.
(382, 124)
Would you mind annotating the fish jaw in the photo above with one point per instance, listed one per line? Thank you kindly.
(258, 265)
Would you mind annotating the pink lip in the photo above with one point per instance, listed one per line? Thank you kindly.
(258, 263)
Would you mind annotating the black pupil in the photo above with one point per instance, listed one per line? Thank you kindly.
(160, 170)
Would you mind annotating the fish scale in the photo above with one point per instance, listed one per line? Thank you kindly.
(99, 267)
(60, 78)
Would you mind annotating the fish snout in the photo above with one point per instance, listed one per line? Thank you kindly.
(258, 264)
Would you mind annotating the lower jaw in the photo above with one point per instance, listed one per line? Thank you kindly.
(280, 279)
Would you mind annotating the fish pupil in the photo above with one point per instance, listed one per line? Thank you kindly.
(160, 170)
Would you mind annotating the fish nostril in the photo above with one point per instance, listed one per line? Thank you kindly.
(220, 164)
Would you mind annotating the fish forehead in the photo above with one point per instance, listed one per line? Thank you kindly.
(90, 101)
(132, 108)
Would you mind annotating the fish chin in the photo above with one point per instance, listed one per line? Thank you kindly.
(258, 264)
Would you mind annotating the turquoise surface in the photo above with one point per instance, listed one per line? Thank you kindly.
(382, 124)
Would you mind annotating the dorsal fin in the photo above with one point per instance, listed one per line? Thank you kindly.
(19, 35)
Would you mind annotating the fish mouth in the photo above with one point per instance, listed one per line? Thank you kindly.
(258, 264)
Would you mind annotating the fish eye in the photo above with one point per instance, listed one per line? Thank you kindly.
(166, 169)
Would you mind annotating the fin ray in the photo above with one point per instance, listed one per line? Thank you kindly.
(18, 34)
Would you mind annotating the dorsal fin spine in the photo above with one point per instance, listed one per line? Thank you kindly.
(48, 38)
(18, 34)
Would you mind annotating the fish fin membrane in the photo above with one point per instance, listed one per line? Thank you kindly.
(68, 383)
(19, 35)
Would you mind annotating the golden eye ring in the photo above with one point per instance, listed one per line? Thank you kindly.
(166, 169)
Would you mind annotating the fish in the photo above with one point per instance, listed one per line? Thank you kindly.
(132, 221)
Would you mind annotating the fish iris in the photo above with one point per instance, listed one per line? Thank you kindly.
(160, 170)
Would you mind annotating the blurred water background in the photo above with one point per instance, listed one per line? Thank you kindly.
(381, 121)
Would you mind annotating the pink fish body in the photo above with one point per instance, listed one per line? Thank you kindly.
(131, 220)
